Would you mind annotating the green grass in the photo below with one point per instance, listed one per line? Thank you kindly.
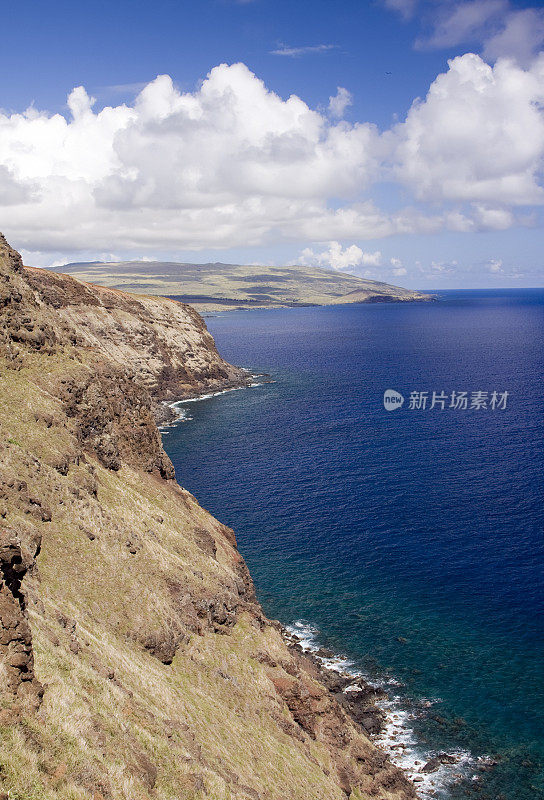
(207, 722)
(229, 285)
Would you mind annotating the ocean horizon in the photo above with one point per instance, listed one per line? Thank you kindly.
(408, 542)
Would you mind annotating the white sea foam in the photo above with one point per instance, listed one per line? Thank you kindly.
(397, 738)
(181, 416)
(182, 413)
(199, 397)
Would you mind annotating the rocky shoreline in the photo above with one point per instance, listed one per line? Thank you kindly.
(168, 412)
(172, 412)
(372, 706)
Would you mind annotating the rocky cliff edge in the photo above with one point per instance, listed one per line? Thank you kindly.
(135, 660)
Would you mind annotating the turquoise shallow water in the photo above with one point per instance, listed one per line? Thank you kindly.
(412, 540)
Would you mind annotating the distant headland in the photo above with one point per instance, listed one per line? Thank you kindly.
(217, 286)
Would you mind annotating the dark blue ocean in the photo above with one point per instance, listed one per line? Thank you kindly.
(411, 540)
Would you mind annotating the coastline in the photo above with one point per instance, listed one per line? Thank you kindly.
(381, 712)
(90, 450)
(137, 625)
(174, 413)
(212, 308)
(371, 704)
(375, 705)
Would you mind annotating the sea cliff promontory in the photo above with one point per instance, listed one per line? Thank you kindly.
(135, 660)
(162, 345)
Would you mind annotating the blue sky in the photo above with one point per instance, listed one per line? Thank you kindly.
(114, 44)
(214, 162)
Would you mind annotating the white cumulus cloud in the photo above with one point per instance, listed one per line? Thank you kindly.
(340, 258)
(225, 165)
(478, 135)
(232, 164)
(339, 102)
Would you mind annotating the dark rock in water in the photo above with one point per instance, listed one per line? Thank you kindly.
(445, 758)
(431, 766)
(435, 763)
(371, 691)
(488, 763)
(323, 652)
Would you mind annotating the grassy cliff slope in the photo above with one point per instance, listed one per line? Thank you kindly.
(135, 660)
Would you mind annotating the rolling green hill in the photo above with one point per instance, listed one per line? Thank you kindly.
(213, 286)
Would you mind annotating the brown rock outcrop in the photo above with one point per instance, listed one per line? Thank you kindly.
(20, 685)
(22, 324)
(114, 419)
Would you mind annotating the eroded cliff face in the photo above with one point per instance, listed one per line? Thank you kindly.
(135, 660)
(159, 343)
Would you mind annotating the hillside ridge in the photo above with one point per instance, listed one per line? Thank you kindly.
(222, 286)
(137, 663)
